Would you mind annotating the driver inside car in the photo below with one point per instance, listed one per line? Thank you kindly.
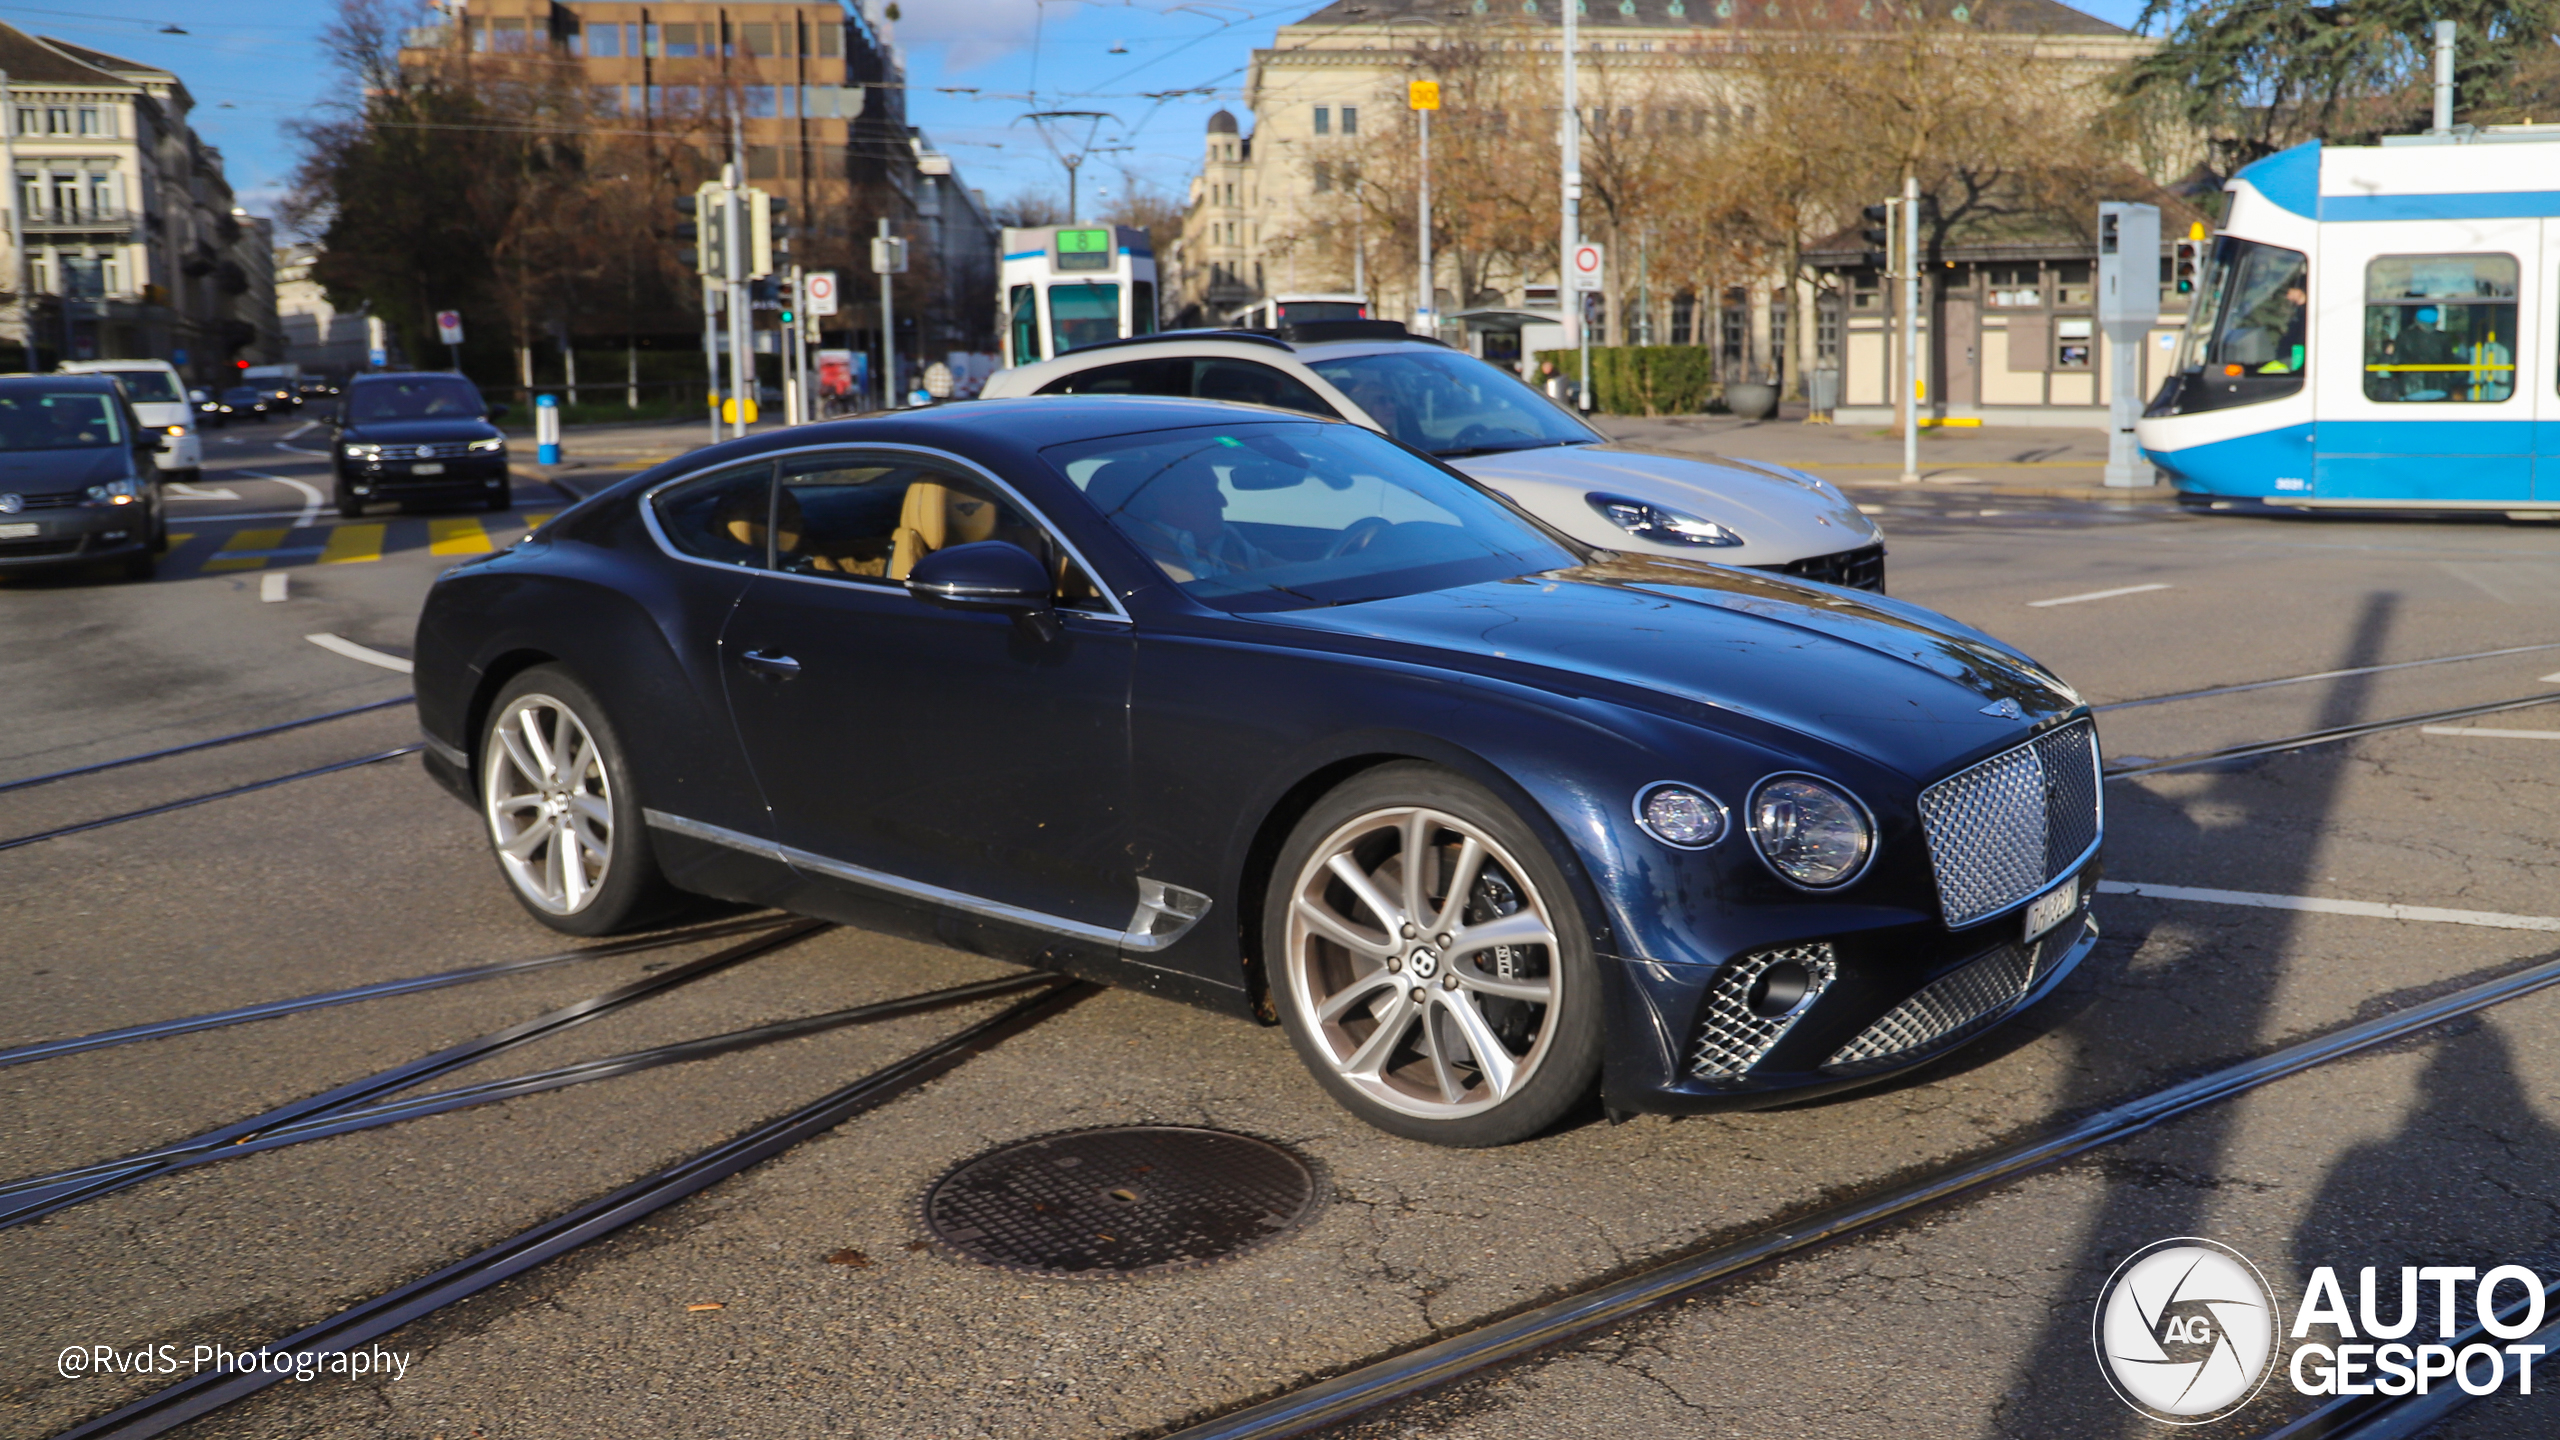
(1179, 518)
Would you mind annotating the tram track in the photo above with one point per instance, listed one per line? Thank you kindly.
(2134, 766)
(2376, 1416)
(193, 746)
(232, 792)
(1478, 1349)
(603, 1216)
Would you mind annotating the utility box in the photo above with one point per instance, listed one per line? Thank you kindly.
(2128, 306)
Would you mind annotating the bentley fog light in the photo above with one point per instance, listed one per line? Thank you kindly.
(1680, 815)
(1648, 521)
(1811, 834)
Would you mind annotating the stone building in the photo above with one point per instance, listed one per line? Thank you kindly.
(123, 240)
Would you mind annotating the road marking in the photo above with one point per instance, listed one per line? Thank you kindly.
(305, 428)
(341, 645)
(1871, 510)
(2486, 918)
(2550, 680)
(2490, 733)
(2096, 595)
(272, 586)
(180, 537)
(312, 499)
(245, 550)
(457, 536)
(349, 544)
(536, 522)
(181, 490)
(298, 450)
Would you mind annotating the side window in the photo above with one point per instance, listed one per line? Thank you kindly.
(868, 520)
(721, 517)
(1252, 384)
(1023, 307)
(1133, 377)
(2440, 329)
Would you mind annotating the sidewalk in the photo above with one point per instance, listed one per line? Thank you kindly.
(2067, 462)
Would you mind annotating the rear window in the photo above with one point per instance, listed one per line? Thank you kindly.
(36, 418)
(148, 387)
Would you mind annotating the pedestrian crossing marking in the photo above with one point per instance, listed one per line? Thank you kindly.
(245, 550)
(351, 543)
(180, 537)
(536, 522)
(461, 535)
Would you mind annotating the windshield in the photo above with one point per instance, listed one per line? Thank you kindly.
(1288, 515)
(429, 397)
(2250, 312)
(39, 419)
(147, 387)
(1450, 404)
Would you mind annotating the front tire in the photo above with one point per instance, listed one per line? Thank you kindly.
(562, 815)
(350, 505)
(1430, 962)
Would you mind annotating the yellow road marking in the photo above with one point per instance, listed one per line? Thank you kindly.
(252, 540)
(180, 537)
(536, 522)
(461, 535)
(351, 543)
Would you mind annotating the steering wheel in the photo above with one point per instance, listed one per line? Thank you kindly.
(1358, 536)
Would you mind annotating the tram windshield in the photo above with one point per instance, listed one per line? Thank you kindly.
(2249, 317)
(1082, 315)
(2440, 329)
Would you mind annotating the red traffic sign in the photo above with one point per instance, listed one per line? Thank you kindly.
(1587, 267)
(818, 292)
(449, 326)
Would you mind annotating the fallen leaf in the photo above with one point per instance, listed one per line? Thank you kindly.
(914, 1245)
(854, 1258)
(707, 1305)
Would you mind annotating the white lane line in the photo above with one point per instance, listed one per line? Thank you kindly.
(2486, 918)
(341, 645)
(272, 586)
(181, 490)
(298, 450)
(305, 428)
(312, 499)
(2096, 595)
(2490, 733)
(2550, 680)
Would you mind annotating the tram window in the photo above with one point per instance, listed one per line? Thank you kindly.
(2440, 329)
(1023, 311)
(1082, 315)
(1142, 307)
(2254, 309)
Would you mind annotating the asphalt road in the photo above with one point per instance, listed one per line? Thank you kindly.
(1973, 1320)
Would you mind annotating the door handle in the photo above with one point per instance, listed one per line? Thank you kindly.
(781, 667)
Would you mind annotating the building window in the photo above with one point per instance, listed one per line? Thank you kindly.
(830, 41)
(1350, 119)
(2012, 287)
(89, 120)
(756, 38)
(604, 41)
(763, 163)
(758, 100)
(1324, 178)
(2071, 287)
(679, 42)
(1324, 121)
(2436, 328)
(102, 194)
(1737, 337)
(507, 35)
(1866, 291)
(57, 120)
(2071, 343)
(1826, 334)
(1684, 317)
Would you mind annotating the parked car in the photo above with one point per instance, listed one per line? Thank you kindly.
(77, 482)
(248, 402)
(212, 411)
(1270, 714)
(1484, 421)
(423, 435)
(159, 400)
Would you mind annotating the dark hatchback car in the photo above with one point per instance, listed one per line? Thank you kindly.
(418, 436)
(212, 411)
(78, 482)
(1273, 715)
(247, 402)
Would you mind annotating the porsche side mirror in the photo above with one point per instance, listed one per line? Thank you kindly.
(990, 575)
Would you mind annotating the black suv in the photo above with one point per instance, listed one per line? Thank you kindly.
(417, 436)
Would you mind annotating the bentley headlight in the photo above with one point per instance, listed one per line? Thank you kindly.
(1659, 524)
(1812, 834)
(1680, 815)
(489, 446)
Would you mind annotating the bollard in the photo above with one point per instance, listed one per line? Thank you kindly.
(546, 429)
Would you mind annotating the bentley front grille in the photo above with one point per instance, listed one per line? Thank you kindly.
(2007, 828)
(1964, 1002)
(1732, 1036)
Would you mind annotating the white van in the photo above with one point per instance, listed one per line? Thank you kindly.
(159, 399)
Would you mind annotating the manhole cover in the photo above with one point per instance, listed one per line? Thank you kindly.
(1124, 1201)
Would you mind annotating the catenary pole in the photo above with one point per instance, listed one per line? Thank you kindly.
(1424, 290)
(888, 328)
(1571, 142)
(742, 360)
(1910, 327)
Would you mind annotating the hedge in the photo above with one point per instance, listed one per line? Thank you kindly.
(1643, 379)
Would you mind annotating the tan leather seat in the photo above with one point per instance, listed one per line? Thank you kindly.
(936, 516)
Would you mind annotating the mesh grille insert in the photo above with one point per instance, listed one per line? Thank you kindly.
(1947, 1009)
(2002, 830)
(1731, 1039)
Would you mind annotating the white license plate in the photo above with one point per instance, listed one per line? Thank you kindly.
(2053, 908)
(429, 469)
(21, 530)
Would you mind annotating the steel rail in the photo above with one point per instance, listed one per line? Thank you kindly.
(2389, 1417)
(380, 989)
(370, 1320)
(1342, 1397)
(2316, 675)
(253, 786)
(40, 1195)
(2127, 770)
(78, 770)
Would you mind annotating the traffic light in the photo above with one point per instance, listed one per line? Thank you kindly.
(2182, 267)
(1883, 236)
(769, 232)
(706, 230)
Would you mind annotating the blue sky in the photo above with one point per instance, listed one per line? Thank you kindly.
(975, 66)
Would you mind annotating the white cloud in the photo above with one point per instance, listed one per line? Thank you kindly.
(976, 32)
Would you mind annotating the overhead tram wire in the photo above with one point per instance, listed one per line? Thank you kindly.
(252, 787)
(371, 1320)
(195, 745)
(1370, 1387)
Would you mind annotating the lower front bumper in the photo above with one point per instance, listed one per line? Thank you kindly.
(1655, 1027)
(459, 478)
(76, 536)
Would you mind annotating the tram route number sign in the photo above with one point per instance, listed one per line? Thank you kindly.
(1588, 267)
(1084, 250)
(818, 292)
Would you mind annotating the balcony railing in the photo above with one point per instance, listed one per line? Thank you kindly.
(78, 219)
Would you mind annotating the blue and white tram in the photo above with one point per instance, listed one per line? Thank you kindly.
(2379, 328)
(1067, 286)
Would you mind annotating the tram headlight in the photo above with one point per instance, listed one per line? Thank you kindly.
(1812, 834)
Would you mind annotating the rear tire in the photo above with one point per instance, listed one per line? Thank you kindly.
(562, 815)
(1464, 1019)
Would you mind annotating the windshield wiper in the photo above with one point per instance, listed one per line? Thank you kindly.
(1499, 449)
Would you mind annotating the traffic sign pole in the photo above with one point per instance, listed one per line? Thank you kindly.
(1424, 97)
(1585, 266)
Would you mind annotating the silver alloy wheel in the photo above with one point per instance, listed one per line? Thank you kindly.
(1424, 962)
(549, 803)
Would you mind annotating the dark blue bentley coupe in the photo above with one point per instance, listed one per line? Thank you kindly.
(1272, 715)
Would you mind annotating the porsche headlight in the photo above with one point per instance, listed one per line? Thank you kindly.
(1812, 834)
(486, 447)
(1659, 524)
